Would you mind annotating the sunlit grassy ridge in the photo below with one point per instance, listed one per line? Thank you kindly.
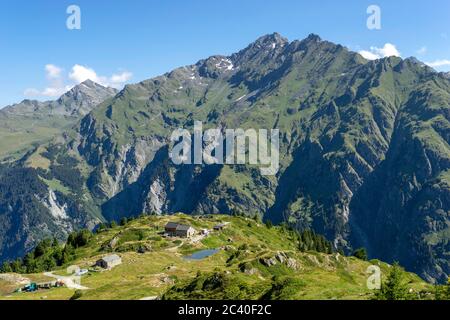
(237, 271)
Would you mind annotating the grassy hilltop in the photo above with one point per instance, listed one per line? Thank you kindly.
(255, 261)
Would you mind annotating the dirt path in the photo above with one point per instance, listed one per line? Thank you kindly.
(69, 281)
(174, 249)
(197, 238)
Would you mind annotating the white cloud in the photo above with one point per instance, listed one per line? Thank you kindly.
(388, 50)
(56, 83)
(438, 63)
(369, 55)
(79, 73)
(31, 92)
(422, 51)
(54, 91)
(51, 92)
(53, 72)
(121, 78)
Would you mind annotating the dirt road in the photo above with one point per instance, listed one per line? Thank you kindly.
(71, 282)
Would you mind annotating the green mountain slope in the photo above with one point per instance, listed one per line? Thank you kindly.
(253, 262)
(31, 123)
(364, 151)
(409, 193)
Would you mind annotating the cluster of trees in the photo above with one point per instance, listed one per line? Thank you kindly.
(66, 171)
(395, 287)
(63, 168)
(49, 254)
(79, 239)
(19, 187)
(113, 224)
(443, 292)
(309, 240)
(255, 216)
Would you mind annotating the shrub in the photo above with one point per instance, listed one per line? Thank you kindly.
(77, 295)
(360, 253)
(123, 221)
(79, 239)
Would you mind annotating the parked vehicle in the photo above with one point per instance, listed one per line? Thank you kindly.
(81, 272)
(30, 287)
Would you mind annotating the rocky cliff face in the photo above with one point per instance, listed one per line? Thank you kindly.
(364, 149)
(31, 211)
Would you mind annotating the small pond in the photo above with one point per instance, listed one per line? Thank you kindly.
(202, 254)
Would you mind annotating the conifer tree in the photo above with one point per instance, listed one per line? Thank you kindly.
(394, 288)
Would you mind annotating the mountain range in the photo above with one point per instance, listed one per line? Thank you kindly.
(364, 151)
(31, 122)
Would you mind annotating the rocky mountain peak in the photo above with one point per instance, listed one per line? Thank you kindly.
(270, 40)
(265, 48)
(89, 88)
(90, 83)
(85, 96)
(79, 100)
(313, 38)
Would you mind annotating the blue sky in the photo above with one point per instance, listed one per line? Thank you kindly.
(129, 41)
